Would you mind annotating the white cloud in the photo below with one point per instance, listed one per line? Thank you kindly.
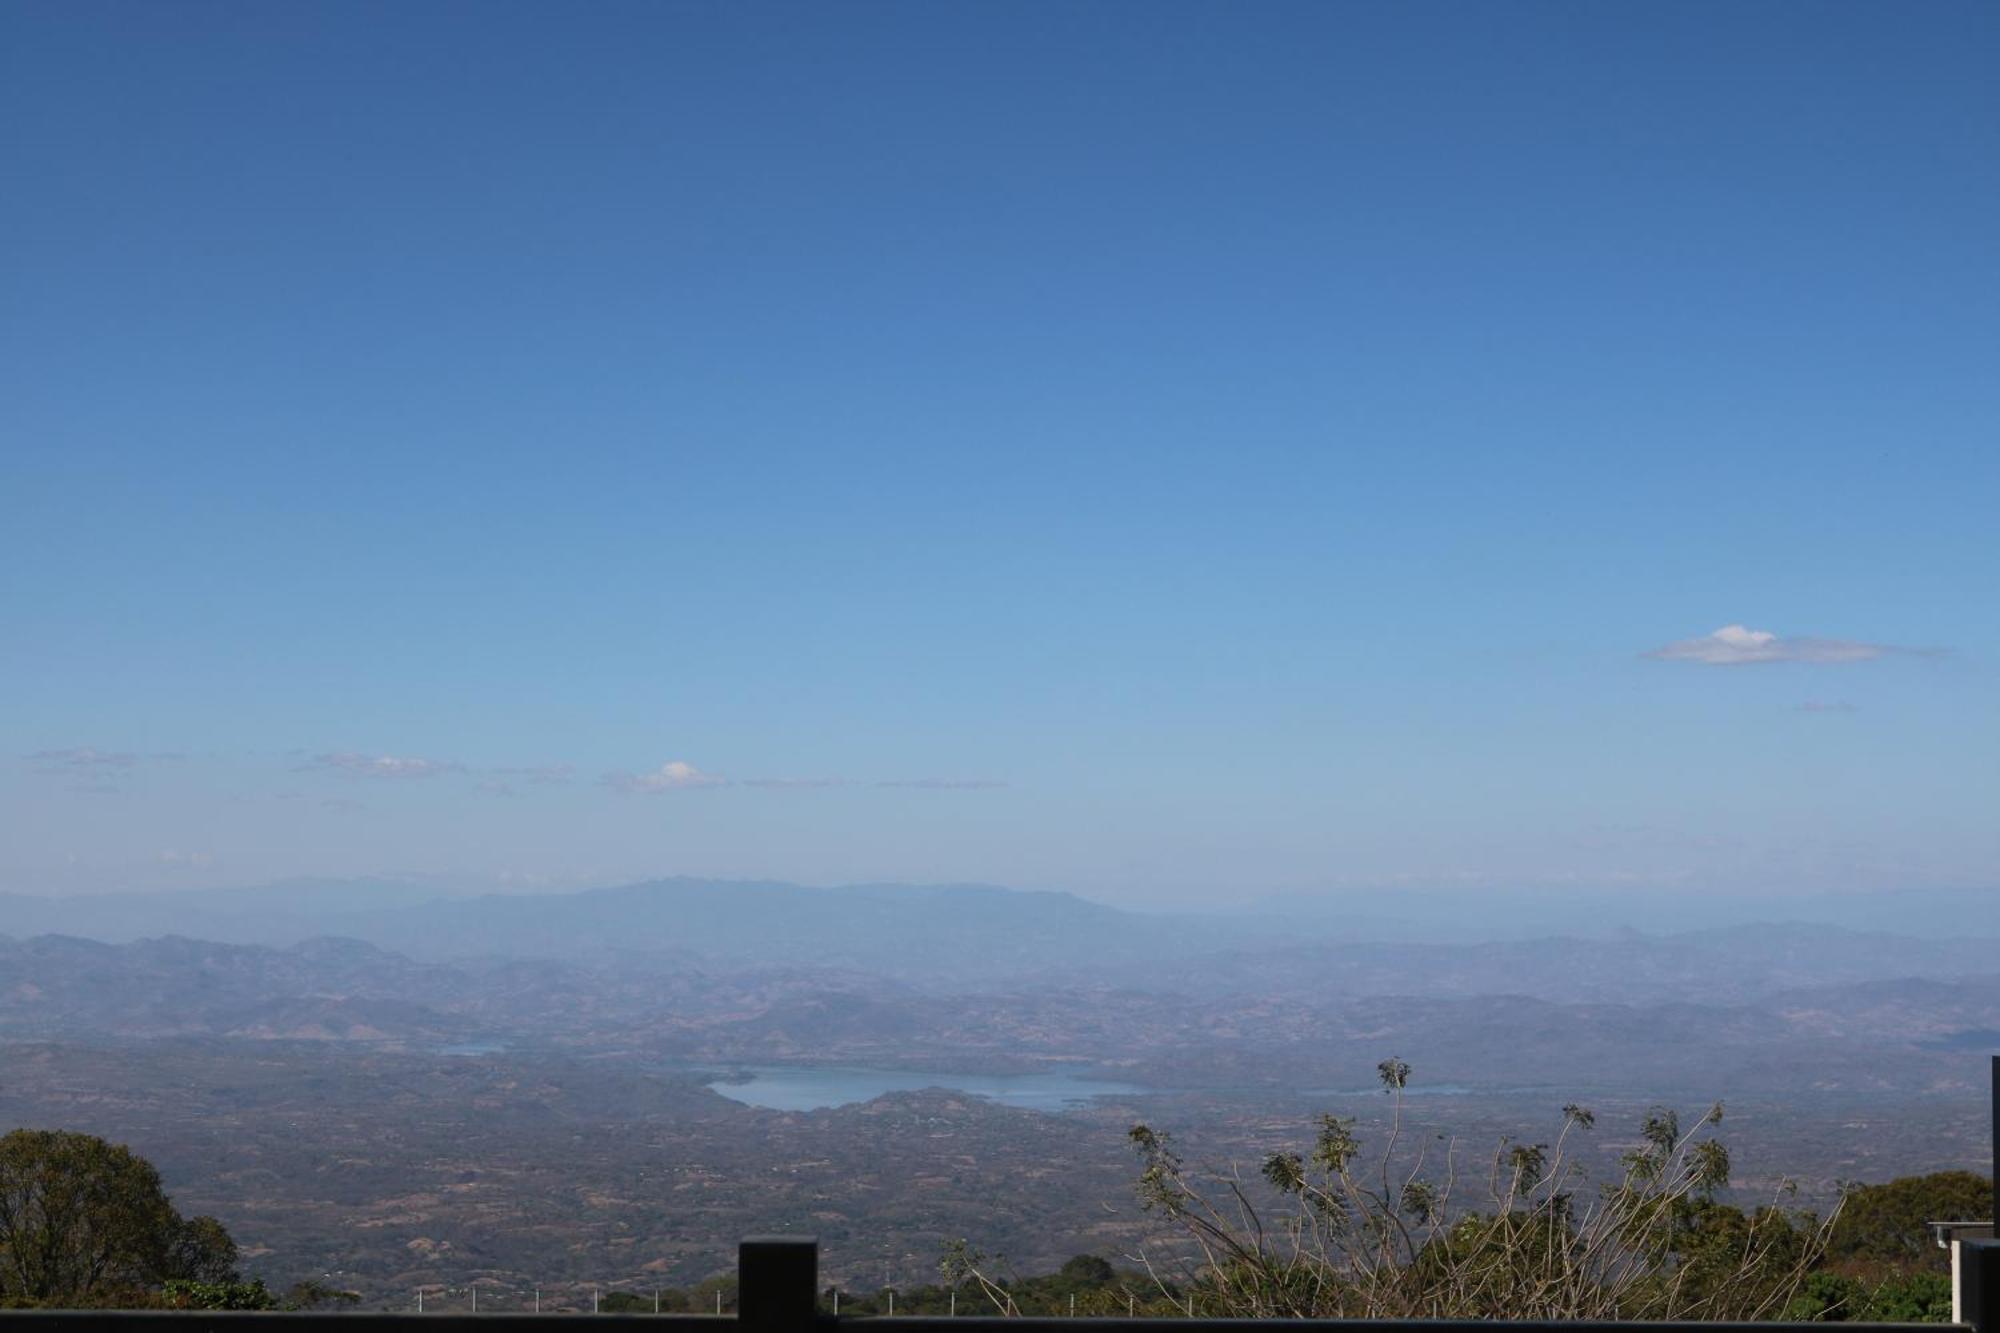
(186, 860)
(674, 775)
(1737, 645)
(381, 765)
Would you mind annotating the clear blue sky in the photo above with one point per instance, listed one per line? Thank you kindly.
(1192, 450)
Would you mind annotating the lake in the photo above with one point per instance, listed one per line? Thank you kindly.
(474, 1048)
(813, 1088)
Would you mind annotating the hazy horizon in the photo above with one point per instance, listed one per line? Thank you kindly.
(367, 907)
(452, 884)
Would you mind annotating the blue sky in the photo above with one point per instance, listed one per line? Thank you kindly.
(1174, 452)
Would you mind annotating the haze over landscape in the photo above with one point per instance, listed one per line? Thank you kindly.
(624, 626)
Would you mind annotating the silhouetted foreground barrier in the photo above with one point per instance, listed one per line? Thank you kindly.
(779, 1290)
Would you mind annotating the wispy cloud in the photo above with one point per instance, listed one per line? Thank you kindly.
(82, 759)
(537, 773)
(91, 771)
(674, 775)
(380, 765)
(1738, 645)
(946, 784)
(1827, 706)
(787, 784)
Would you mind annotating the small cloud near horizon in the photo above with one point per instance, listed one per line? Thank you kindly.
(186, 860)
(538, 773)
(1827, 706)
(946, 784)
(674, 775)
(1738, 645)
(379, 766)
(81, 759)
(789, 784)
(91, 771)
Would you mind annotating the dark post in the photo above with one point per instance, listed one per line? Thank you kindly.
(777, 1283)
(1979, 1260)
(1979, 1284)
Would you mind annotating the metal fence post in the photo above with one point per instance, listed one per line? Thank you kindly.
(1979, 1278)
(777, 1283)
(1975, 1264)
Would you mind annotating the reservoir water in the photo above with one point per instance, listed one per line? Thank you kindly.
(474, 1048)
(813, 1088)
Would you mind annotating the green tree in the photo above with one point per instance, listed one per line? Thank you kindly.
(1913, 1298)
(82, 1219)
(311, 1295)
(188, 1294)
(1088, 1270)
(1884, 1225)
(201, 1251)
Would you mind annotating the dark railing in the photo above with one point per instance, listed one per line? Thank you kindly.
(778, 1291)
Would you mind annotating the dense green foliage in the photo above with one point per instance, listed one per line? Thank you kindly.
(1912, 1298)
(1885, 1225)
(83, 1221)
(181, 1294)
(1881, 1261)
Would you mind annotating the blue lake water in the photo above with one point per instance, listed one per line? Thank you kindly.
(1412, 1090)
(781, 1088)
(818, 1087)
(474, 1048)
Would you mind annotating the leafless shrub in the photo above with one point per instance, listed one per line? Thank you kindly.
(1324, 1234)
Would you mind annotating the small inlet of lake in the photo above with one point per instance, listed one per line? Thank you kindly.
(815, 1088)
(470, 1048)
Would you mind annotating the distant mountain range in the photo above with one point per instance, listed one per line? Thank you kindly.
(973, 934)
(932, 931)
(365, 1076)
(1745, 1009)
(1445, 915)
